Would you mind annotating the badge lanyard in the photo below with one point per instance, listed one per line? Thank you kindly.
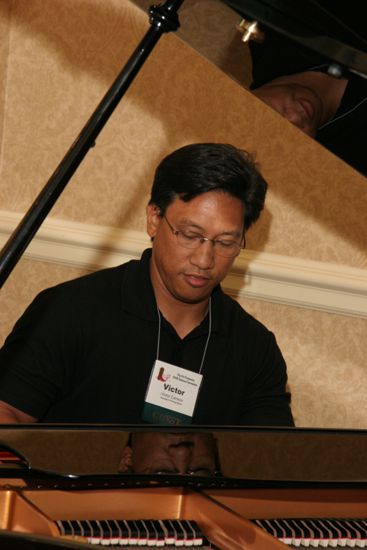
(173, 391)
(207, 340)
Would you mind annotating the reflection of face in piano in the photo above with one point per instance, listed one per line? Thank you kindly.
(297, 103)
(172, 453)
(308, 99)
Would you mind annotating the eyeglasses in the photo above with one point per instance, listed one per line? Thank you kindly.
(189, 239)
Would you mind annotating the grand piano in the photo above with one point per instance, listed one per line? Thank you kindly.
(259, 488)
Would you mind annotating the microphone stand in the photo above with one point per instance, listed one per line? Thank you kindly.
(162, 19)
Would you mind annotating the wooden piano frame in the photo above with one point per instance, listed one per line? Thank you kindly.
(223, 514)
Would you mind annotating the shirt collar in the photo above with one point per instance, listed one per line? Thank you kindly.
(138, 296)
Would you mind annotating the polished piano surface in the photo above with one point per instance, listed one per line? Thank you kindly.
(56, 492)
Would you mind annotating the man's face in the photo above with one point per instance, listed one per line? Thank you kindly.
(298, 103)
(189, 275)
(171, 453)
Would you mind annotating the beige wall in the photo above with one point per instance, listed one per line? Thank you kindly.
(62, 57)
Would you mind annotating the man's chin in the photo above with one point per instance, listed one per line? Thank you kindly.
(193, 297)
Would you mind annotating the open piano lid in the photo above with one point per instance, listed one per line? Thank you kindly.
(328, 27)
(81, 456)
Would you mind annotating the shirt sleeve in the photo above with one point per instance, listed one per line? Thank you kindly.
(267, 401)
(37, 358)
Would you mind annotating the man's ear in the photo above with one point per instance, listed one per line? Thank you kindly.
(126, 462)
(154, 218)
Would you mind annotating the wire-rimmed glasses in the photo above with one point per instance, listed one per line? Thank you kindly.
(190, 239)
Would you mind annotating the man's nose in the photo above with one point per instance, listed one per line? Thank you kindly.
(203, 255)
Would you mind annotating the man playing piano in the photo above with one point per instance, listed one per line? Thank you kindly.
(156, 340)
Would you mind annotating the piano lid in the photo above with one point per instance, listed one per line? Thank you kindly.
(324, 26)
(125, 456)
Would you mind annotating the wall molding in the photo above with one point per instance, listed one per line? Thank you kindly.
(274, 278)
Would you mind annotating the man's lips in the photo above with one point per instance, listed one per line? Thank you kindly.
(307, 107)
(196, 280)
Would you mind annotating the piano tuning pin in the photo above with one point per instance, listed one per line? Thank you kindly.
(250, 31)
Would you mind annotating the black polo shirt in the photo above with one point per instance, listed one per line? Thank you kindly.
(83, 351)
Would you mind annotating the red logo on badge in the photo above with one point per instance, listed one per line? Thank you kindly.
(161, 376)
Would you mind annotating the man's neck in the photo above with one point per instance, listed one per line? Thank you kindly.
(183, 316)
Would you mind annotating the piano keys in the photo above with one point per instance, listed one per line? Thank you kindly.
(322, 532)
(312, 515)
(92, 516)
(138, 532)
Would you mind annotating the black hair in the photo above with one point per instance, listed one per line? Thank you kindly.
(202, 167)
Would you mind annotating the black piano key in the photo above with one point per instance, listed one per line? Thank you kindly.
(285, 534)
(317, 534)
(289, 531)
(364, 523)
(173, 530)
(354, 534)
(169, 531)
(86, 528)
(267, 526)
(328, 533)
(115, 532)
(124, 532)
(160, 534)
(179, 535)
(133, 531)
(198, 533)
(143, 534)
(155, 534)
(336, 533)
(61, 526)
(307, 533)
(341, 525)
(361, 525)
(195, 535)
(105, 532)
(297, 532)
(96, 535)
(74, 527)
(343, 536)
(68, 527)
(188, 533)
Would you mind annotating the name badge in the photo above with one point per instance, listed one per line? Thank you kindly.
(171, 395)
